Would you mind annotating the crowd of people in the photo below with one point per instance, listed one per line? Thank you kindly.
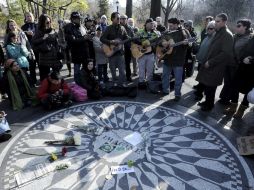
(93, 46)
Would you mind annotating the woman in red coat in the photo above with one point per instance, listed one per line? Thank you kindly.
(54, 92)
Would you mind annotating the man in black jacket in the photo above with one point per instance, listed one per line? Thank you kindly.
(114, 34)
(75, 35)
(127, 46)
(175, 61)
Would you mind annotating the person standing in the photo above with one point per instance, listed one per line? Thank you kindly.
(204, 32)
(175, 61)
(101, 59)
(220, 51)
(113, 35)
(201, 56)
(46, 42)
(29, 28)
(77, 40)
(243, 80)
(103, 23)
(127, 46)
(147, 60)
(241, 38)
(160, 27)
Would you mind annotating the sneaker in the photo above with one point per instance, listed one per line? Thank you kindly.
(5, 96)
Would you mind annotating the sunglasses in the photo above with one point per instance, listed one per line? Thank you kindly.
(210, 28)
(48, 22)
(239, 25)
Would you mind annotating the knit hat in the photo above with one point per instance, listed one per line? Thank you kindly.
(149, 20)
(189, 23)
(104, 16)
(75, 15)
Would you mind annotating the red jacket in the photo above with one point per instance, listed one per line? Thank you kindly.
(47, 88)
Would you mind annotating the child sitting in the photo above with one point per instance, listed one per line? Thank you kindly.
(54, 92)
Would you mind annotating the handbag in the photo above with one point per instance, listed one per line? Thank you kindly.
(250, 96)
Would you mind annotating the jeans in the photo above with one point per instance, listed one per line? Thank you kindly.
(76, 71)
(146, 66)
(117, 61)
(102, 72)
(178, 73)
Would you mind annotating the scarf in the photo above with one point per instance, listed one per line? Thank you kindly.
(17, 103)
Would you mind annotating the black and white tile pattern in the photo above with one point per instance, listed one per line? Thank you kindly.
(185, 153)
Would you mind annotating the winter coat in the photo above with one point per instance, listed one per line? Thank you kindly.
(74, 35)
(178, 55)
(244, 79)
(220, 53)
(48, 48)
(99, 53)
(48, 88)
(19, 53)
(29, 27)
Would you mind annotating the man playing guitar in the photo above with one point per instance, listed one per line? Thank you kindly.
(113, 35)
(147, 59)
(176, 58)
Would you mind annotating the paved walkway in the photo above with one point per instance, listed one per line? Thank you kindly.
(188, 148)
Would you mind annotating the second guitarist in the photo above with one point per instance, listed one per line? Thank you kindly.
(147, 60)
(111, 36)
(176, 59)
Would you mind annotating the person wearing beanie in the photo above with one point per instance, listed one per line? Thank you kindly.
(54, 92)
(174, 61)
(146, 62)
(17, 85)
(78, 42)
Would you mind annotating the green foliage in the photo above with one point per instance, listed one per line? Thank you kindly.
(103, 8)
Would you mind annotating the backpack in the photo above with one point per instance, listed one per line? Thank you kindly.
(79, 94)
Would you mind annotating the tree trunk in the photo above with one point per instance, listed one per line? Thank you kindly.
(44, 10)
(155, 10)
(129, 8)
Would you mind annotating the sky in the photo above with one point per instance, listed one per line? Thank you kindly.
(122, 2)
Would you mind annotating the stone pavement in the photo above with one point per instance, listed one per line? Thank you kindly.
(188, 149)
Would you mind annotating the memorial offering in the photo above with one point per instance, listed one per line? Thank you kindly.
(74, 140)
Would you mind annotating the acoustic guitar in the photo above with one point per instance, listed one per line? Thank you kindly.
(146, 46)
(161, 52)
(111, 49)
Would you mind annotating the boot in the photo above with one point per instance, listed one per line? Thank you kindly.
(240, 112)
(231, 109)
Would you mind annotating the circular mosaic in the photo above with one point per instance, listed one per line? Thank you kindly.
(149, 147)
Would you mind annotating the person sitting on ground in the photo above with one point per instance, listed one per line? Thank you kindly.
(54, 92)
(86, 80)
(17, 51)
(17, 85)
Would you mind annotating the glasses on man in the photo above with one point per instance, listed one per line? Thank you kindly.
(48, 22)
(210, 28)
